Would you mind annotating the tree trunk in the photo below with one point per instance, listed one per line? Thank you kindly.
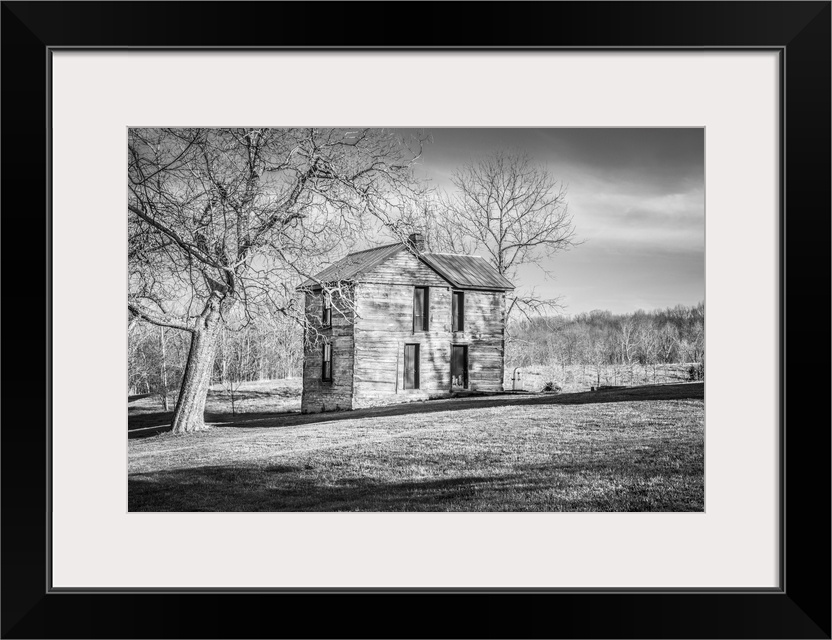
(189, 414)
(164, 369)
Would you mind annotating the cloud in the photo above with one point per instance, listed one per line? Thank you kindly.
(648, 158)
(637, 197)
(605, 214)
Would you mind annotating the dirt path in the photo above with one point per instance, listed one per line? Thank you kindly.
(157, 423)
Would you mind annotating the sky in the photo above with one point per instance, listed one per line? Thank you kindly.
(637, 197)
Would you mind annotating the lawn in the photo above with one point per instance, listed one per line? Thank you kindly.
(263, 397)
(635, 449)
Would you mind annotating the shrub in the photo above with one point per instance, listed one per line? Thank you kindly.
(552, 387)
(696, 372)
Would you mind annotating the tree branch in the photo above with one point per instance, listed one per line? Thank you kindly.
(170, 233)
(158, 318)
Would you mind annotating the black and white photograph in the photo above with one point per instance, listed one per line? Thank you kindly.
(426, 320)
(415, 311)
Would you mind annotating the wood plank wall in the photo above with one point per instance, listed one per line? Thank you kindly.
(384, 303)
(319, 395)
(485, 333)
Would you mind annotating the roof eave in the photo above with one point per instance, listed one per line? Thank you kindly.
(316, 286)
(467, 288)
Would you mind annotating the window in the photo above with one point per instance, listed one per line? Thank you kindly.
(458, 311)
(420, 309)
(411, 366)
(326, 319)
(459, 366)
(326, 367)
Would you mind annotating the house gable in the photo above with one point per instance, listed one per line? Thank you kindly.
(404, 268)
(351, 266)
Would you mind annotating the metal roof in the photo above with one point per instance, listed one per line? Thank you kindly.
(467, 271)
(354, 264)
(464, 272)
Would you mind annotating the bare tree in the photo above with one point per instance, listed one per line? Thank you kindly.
(235, 366)
(650, 348)
(597, 353)
(628, 340)
(667, 338)
(508, 209)
(164, 368)
(224, 223)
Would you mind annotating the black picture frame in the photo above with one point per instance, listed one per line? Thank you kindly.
(799, 608)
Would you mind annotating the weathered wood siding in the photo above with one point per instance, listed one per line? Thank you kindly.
(384, 305)
(484, 332)
(404, 268)
(319, 395)
(384, 326)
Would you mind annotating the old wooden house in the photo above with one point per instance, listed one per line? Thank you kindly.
(395, 324)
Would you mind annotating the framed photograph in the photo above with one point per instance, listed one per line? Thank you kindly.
(373, 393)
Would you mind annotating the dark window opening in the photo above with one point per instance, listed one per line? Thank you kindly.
(420, 309)
(458, 311)
(326, 368)
(411, 366)
(459, 366)
(326, 319)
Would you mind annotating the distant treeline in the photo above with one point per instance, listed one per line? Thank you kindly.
(594, 340)
(600, 339)
(265, 351)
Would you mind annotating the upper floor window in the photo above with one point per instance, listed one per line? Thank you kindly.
(420, 309)
(326, 318)
(458, 311)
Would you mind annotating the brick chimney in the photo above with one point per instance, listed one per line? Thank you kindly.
(417, 241)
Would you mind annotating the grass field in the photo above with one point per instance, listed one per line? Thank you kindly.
(264, 396)
(635, 449)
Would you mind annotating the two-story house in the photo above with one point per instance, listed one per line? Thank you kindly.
(394, 324)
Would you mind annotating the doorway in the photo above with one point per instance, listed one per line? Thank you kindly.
(459, 366)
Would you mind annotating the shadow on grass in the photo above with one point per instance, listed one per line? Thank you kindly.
(284, 489)
(299, 488)
(152, 424)
(144, 425)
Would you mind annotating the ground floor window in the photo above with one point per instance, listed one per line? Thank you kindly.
(459, 366)
(326, 368)
(411, 366)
